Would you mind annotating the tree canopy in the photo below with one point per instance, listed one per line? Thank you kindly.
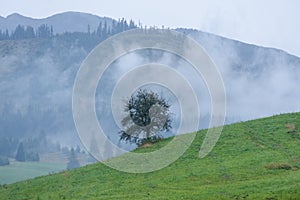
(148, 117)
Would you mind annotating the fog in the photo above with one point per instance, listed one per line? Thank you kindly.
(36, 86)
(259, 82)
(36, 91)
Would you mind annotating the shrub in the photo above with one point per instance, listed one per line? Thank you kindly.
(279, 166)
(291, 128)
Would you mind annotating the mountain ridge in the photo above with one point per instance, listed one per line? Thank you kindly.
(15, 19)
(192, 30)
(75, 21)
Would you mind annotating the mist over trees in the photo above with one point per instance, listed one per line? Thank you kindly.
(26, 155)
(27, 140)
(30, 148)
(4, 161)
(8, 146)
(38, 67)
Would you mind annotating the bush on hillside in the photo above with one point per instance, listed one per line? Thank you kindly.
(279, 166)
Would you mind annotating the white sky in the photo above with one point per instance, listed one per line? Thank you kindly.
(272, 23)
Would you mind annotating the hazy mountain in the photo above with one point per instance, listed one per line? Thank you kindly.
(37, 76)
(258, 81)
(68, 21)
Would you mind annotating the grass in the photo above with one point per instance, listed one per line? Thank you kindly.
(18, 171)
(259, 159)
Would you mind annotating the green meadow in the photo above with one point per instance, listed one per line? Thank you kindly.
(258, 159)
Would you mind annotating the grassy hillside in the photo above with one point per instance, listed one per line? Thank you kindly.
(17, 171)
(258, 159)
(49, 163)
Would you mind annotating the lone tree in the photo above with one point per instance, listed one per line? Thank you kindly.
(148, 116)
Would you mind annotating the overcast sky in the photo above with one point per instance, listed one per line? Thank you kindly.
(272, 23)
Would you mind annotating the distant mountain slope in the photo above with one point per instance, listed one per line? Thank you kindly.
(37, 76)
(259, 81)
(63, 22)
(257, 159)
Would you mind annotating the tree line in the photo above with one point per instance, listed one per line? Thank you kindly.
(103, 30)
(27, 32)
(28, 150)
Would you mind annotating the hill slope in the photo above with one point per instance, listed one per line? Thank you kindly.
(259, 159)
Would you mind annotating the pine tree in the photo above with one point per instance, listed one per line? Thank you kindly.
(77, 149)
(29, 33)
(94, 150)
(21, 153)
(43, 31)
(19, 33)
(51, 31)
(73, 161)
(89, 29)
